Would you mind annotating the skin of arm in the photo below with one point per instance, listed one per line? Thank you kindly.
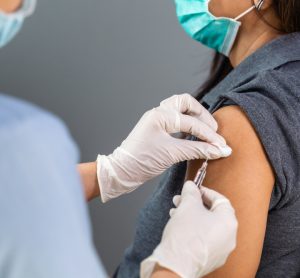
(246, 179)
(88, 173)
(9, 6)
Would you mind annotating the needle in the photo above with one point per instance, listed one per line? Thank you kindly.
(201, 174)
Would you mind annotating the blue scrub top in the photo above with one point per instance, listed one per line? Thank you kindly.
(45, 230)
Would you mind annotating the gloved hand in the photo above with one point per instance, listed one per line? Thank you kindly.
(150, 149)
(197, 239)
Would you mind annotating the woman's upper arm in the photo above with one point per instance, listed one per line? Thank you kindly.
(247, 179)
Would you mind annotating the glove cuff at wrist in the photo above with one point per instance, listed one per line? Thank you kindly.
(104, 178)
(110, 185)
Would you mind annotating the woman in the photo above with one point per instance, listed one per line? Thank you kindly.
(254, 92)
(45, 229)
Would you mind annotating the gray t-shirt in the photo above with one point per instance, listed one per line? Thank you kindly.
(266, 85)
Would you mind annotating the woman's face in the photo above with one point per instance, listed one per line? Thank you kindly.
(229, 8)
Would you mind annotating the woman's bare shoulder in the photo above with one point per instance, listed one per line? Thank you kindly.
(247, 179)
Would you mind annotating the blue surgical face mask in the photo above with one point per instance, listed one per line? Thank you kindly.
(11, 23)
(218, 33)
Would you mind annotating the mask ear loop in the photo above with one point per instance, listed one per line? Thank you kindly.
(258, 7)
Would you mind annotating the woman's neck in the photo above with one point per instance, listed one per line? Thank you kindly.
(250, 38)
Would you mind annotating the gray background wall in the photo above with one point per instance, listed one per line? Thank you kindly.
(99, 65)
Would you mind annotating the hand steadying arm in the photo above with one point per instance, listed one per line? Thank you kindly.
(150, 148)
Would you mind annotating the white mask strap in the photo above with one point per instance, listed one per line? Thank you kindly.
(260, 3)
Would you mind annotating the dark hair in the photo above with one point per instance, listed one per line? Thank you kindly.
(288, 14)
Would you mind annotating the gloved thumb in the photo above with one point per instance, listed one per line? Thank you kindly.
(189, 189)
(214, 200)
(190, 192)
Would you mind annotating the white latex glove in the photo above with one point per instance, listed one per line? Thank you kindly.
(197, 239)
(150, 149)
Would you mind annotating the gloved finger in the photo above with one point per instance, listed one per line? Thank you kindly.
(172, 212)
(189, 150)
(201, 130)
(214, 200)
(176, 200)
(172, 121)
(187, 104)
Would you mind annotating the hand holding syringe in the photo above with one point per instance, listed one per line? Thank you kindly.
(206, 227)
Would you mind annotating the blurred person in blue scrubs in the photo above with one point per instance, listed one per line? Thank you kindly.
(45, 228)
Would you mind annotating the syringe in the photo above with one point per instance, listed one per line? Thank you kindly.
(201, 174)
